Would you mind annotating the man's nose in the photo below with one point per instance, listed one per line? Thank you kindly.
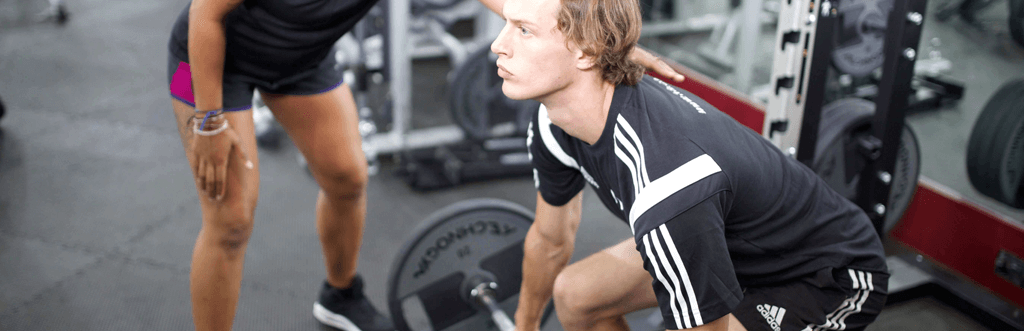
(498, 46)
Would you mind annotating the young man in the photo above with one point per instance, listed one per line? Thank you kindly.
(728, 232)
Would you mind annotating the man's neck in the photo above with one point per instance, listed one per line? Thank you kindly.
(581, 109)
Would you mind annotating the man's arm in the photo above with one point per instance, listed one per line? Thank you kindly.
(548, 248)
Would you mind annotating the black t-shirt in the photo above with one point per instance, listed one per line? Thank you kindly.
(273, 40)
(665, 154)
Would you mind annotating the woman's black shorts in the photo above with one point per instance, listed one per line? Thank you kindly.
(238, 88)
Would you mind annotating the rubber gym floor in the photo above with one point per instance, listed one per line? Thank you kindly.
(98, 213)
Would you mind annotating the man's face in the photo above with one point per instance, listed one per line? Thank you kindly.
(532, 56)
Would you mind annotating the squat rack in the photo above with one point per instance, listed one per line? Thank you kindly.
(958, 246)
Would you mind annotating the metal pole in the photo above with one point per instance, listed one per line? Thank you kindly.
(902, 36)
(746, 53)
(400, 68)
(817, 76)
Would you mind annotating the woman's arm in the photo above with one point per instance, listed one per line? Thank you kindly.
(206, 43)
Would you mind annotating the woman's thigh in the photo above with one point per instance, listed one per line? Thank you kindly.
(324, 126)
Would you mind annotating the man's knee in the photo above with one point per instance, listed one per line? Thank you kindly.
(572, 294)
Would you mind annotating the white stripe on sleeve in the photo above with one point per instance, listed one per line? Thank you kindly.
(686, 174)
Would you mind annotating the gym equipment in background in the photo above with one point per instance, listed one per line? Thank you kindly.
(839, 159)
(995, 151)
(963, 254)
(859, 36)
(494, 126)
(478, 105)
(968, 9)
(461, 269)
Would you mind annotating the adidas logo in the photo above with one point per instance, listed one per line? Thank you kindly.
(773, 314)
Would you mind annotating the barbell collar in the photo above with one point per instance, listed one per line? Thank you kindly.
(484, 295)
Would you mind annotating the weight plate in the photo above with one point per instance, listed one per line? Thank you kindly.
(859, 41)
(1017, 21)
(839, 163)
(995, 151)
(477, 103)
(452, 250)
(3, 110)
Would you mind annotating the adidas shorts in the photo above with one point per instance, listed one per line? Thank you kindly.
(830, 299)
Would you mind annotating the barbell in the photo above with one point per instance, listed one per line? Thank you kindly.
(461, 269)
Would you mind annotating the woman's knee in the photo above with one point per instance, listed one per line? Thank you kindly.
(343, 179)
(229, 226)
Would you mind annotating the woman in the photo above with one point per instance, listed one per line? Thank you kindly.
(223, 50)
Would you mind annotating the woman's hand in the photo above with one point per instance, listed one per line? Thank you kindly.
(213, 155)
(653, 63)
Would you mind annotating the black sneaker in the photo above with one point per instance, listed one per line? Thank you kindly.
(348, 309)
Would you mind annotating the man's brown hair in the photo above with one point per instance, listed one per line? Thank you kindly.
(608, 30)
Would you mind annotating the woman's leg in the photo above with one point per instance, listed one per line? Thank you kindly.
(219, 253)
(325, 129)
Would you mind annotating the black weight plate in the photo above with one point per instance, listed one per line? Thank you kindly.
(3, 110)
(860, 39)
(427, 286)
(980, 170)
(839, 164)
(995, 151)
(979, 146)
(1017, 21)
(476, 101)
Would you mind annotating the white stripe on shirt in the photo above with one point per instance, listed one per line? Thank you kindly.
(642, 162)
(549, 139)
(631, 161)
(629, 164)
(660, 189)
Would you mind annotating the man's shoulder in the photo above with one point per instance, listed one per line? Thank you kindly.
(658, 94)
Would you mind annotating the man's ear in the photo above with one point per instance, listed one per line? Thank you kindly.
(584, 61)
